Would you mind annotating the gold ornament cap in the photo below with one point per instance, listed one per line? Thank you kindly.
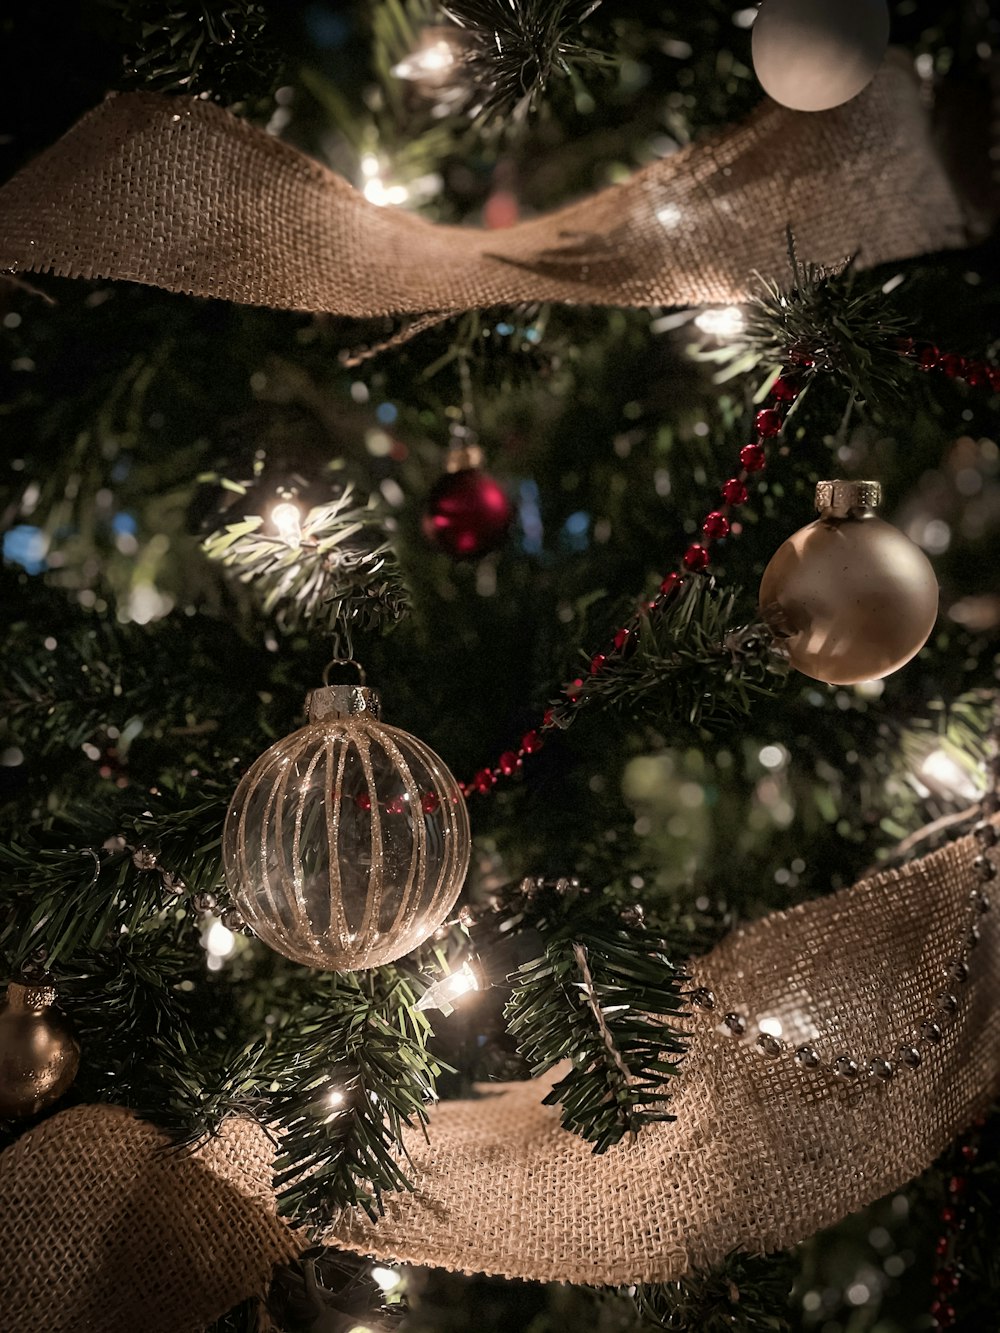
(333, 701)
(30, 996)
(847, 499)
(463, 457)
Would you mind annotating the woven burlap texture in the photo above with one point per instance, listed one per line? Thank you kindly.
(762, 1153)
(100, 1229)
(105, 1228)
(181, 195)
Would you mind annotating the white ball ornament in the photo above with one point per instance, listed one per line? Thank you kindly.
(811, 55)
(347, 843)
(850, 597)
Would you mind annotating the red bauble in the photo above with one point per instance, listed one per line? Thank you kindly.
(468, 514)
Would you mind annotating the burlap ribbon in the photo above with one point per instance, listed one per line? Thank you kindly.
(181, 195)
(99, 1229)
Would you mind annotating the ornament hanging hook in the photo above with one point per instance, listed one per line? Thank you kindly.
(343, 661)
(343, 653)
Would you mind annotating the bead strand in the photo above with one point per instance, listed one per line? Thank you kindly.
(716, 525)
(977, 373)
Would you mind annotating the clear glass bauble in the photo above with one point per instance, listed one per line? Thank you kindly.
(347, 843)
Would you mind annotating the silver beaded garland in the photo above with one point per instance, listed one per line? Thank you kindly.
(930, 1030)
(909, 1057)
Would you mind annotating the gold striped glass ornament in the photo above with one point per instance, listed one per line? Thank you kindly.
(347, 843)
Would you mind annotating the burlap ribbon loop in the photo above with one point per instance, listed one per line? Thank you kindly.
(101, 1230)
(179, 194)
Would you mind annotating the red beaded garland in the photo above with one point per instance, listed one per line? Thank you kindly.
(768, 422)
(977, 375)
(784, 390)
(509, 763)
(716, 525)
(363, 801)
(397, 806)
(670, 584)
(928, 357)
(753, 458)
(952, 365)
(429, 802)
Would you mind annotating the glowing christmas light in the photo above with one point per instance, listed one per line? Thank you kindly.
(287, 518)
(722, 322)
(441, 994)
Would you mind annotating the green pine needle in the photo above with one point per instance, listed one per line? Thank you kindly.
(343, 574)
(602, 995)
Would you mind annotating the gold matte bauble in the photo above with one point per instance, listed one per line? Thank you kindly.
(39, 1054)
(850, 597)
(347, 843)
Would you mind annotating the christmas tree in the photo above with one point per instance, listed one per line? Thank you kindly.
(500, 512)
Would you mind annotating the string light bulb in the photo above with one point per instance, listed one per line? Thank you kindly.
(722, 322)
(389, 1279)
(287, 518)
(945, 777)
(432, 62)
(452, 987)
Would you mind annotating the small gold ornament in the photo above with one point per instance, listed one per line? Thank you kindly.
(850, 596)
(39, 1055)
(347, 843)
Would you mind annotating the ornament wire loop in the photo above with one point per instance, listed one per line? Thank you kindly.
(343, 662)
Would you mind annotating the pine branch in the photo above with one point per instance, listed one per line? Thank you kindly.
(358, 1071)
(601, 994)
(745, 1294)
(831, 320)
(515, 49)
(68, 901)
(225, 49)
(695, 665)
(505, 54)
(343, 572)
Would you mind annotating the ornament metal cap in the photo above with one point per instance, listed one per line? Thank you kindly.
(842, 499)
(463, 457)
(30, 996)
(333, 701)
